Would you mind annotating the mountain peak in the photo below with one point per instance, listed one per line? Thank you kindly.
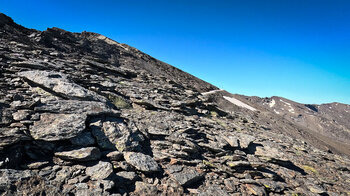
(4, 19)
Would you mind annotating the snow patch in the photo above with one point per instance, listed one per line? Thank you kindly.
(285, 102)
(291, 110)
(212, 92)
(272, 103)
(276, 111)
(239, 103)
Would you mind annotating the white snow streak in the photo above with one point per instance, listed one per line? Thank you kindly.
(239, 103)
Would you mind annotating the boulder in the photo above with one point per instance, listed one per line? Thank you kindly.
(141, 162)
(183, 175)
(55, 127)
(100, 171)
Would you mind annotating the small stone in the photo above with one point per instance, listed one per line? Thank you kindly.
(184, 176)
(233, 141)
(255, 190)
(21, 115)
(142, 188)
(238, 163)
(141, 162)
(231, 183)
(11, 136)
(82, 154)
(316, 189)
(115, 156)
(245, 140)
(125, 177)
(37, 165)
(100, 171)
(83, 139)
(267, 151)
(214, 190)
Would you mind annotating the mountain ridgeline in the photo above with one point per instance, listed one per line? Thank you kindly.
(81, 114)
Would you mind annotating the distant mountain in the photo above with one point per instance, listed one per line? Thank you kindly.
(81, 114)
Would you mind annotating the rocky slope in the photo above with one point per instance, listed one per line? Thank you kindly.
(81, 114)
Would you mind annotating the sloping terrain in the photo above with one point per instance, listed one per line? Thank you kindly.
(81, 114)
(327, 125)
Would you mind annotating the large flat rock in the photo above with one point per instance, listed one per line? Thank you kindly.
(58, 83)
(82, 154)
(75, 106)
(100, 171)
(141, 161)
(54, 127)
(9, 136)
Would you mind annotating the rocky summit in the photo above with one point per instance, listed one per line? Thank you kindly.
(81, 114)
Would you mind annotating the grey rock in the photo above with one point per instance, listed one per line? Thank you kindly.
(141, 161)
(21, 115)
(274, 186)
(125, 177)
(315, 188)
(115, 156)
(82, 154)
(75, 107)
(59, 83)
(184, 176)
(114, 134)
(142, 188)
(54, 127)
(37, 165)
(232, 140)
(268, 151)
(10, 176)
(245, 140)
(213, 190)
(238, 163)
(83, 139)
(9, 136)
(253, 189)
(100, 171)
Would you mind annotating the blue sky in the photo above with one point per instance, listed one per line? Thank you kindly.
(298, 49)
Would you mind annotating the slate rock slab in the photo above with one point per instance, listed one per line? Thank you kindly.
(59, 83)
(10, 176)
(100, 171)
(11, 136)
(55, 127)
(82, 154)
(75, 106)
(141, 162)
(184, 176)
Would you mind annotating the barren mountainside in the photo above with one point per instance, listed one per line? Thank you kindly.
(81, 114)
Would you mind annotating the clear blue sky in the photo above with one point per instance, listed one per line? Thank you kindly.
(298, 49)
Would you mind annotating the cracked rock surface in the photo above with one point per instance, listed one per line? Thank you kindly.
(81, 114)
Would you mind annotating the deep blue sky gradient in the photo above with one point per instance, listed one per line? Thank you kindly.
(298, 49)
